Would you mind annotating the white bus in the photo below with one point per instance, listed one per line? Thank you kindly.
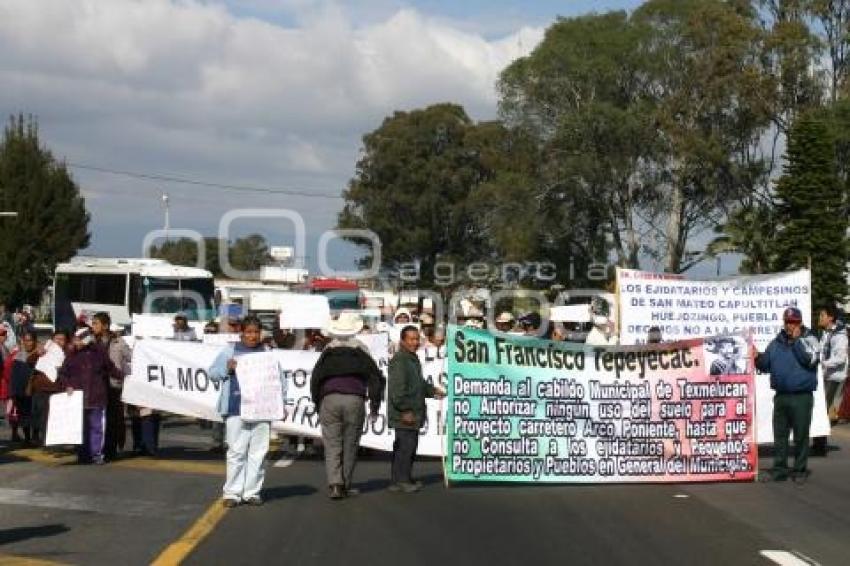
(123, 287)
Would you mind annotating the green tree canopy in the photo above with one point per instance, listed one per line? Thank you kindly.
(412, 186)
(810, 210)
(51, 223)
(248, 253)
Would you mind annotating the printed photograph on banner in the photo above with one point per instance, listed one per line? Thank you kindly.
(726, 355)
(530, 410)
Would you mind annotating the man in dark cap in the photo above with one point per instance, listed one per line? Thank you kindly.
(791, 359)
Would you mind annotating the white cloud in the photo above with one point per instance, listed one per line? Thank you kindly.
(192, 88)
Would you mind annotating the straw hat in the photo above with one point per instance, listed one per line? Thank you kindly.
(347, 324)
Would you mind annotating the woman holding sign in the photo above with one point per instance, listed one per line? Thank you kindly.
(252, 395)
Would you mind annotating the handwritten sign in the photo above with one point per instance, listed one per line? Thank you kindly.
(304, 311)
(51, 360)
(65, 419)
(260, 386)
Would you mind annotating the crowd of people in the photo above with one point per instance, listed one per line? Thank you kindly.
(95, 359)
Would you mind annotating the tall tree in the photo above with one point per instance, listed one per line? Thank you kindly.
(577, 94)
(708, 91)
(412, 186)
(646, 122)
(834, 19)
(51, 223)
(811, 203)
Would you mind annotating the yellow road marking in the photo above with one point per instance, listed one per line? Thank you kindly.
(40, 456)
(176, 552)
(182, 466)
(840, 430)
(11, 560)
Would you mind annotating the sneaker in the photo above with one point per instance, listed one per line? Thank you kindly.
(256, 501)
(229, 502)
(409, 487)
(394, 487)
(352, 492)
(98, 460)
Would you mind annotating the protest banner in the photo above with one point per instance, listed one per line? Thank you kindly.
(220, 339)
(159, 326)
(684, 308)
(65, 419)
(260, 387)
(523, 409)
(49, 363)
(173, 377)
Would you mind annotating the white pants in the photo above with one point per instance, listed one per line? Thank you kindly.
(247, 444)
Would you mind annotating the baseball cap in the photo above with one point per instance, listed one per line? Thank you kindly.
(792, 314)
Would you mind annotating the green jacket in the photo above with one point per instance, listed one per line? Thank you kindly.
(407, 390)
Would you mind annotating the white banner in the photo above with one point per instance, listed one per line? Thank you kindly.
(684, 309)
(304, 311)
(220, 339)
(173, 377)
(65, 419)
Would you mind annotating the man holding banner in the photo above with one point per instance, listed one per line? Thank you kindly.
(792, 361)
(406, 408)
(252, 395)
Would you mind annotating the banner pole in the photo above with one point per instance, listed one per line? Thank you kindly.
(444, 446)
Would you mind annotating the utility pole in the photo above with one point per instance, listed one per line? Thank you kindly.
(167, 218)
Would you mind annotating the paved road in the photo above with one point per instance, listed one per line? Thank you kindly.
(139, 510)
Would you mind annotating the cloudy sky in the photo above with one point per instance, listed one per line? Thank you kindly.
(261, 93)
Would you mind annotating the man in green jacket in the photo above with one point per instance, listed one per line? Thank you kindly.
(406, 408)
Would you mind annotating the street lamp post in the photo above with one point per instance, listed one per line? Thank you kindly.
(167, 218)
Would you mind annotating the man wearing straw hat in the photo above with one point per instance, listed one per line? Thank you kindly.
(344, 377)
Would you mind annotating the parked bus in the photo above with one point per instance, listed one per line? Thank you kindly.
(124, 287)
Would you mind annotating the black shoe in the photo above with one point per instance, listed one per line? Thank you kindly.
(800, 478)
(773, 476)
(336, 492)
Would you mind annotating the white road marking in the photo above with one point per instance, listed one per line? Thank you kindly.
(186, 439)
(785, 558)
(287, 459)
(103, 504)
(681, 496)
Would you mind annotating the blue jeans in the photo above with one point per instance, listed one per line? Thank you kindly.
(247, 445)
(93, 425)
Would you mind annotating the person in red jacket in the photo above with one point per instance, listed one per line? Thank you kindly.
(87, 368)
